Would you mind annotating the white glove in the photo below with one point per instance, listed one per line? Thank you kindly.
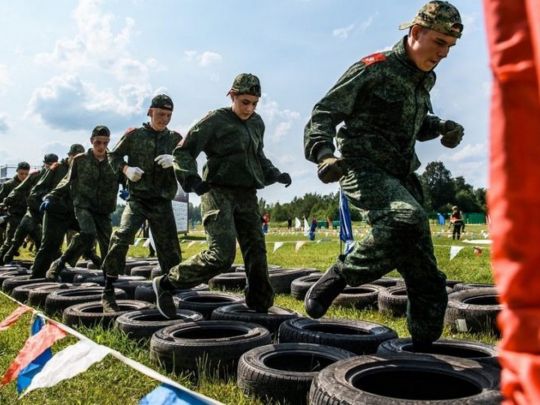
(133, 173)
(165, 161)
(2, 220)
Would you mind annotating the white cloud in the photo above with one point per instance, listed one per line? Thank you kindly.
(4, 126)
(279, 122)
(4, 76)
(468, 152)
(203, 59)
(344, 32)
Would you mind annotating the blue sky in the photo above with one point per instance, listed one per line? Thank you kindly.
(66, 66)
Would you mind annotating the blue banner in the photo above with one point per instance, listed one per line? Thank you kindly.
(345, 224)
(168, 395)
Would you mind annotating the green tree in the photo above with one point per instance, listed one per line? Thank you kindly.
(439, 186)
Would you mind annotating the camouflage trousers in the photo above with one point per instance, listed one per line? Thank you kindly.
(229, 214)
(399, 238)
(12, 223)
(160, 216)
(55, 227)
(92, 226)
(29, 225)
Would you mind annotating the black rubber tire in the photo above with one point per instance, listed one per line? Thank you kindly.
(10, 267)
(408, 380)
(68, 274)
(21, 292)
(453, 283)
(23, 263)
(101, 281)
(283, 372)
(388, 282)
(241, 267)
(281, 279)
(145, 292)
(134, 263)
(234, 281)
(129, 286)
(143, 271)
(477, 351)
(38, 296)
(10, 274)
(89, 274)
(156, 272)
(205, 302)
(214, 345)
(241, 312)
(361, 297)
(142, 324)
(91, 313)
(467, 286)
(59, 300)
(300, 286)
(393, 301)
(359, 337)
(9, 284)
(477, 307)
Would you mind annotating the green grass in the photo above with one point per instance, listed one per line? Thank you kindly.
(111, 382)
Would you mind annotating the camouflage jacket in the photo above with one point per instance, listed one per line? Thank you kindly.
(6, 188)
(19, 196)
(383, 101)
(234, 151)
(142, 146)
(46, 183)
(92, 184)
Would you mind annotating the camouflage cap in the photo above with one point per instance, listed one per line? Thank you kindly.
(162, 101)
(50, 158)
(75, 149)
(101, 130)
(439, 16)
(23, 166)
(246, 83)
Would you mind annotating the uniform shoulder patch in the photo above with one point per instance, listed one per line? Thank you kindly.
(373, 58)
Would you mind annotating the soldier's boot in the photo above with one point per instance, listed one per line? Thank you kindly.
(108, 301)
(164, 301)
(321, 294)
(8, 256)
(95, 259)
(56, 268)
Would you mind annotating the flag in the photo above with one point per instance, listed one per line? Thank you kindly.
(306, 227)
(297, 223)
(33, 347)
(277, 245)
(299, 245)
(27, 374)
(14, 317)
(454, 250)
(169, 395)
(67, 363)
(345, 224)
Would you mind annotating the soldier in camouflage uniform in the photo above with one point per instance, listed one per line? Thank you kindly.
(232, 139)
(152, 186)
(16, 211)
(30, 224)
(383, 101)
(58, 216)
(93, 186)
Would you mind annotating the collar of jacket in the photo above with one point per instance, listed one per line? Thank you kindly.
(400, 51)
(149, 128)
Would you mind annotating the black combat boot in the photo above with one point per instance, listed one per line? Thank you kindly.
(321, 294)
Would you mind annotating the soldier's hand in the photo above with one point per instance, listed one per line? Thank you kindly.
(201, 187)
(284, 178)
(165, 161)
(134, 174)
(44, 205)
(124, 194)
(451, 132)
(329, 169)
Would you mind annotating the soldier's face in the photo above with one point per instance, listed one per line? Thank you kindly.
(99, 146)
(428, 47)
(159, 118)
(22, 174)
(244, 105)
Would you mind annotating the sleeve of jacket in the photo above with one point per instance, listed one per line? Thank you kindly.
(429, 129)
(121, 149)
(186, 152)
(64, 187)
(21, 191)
(331, 110)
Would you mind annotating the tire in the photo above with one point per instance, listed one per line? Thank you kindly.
(84, 277)
(68, 274)
(468, 286)
(9, 284)
(129, 286)
(228, 282)
(16, 273)
(240, 312)
(9, 267)
(393, 301)
(205, 302)
(21, 292)
(284, 372)
(134, 263)
(473, 310)
(361, 297)
(407, 380)
(359, 337)
(91, 313)
(59, 300)
(142, 324)
(143, 271)
(388, 282)
(145, 292)
(101, 280)
(156, 272)
(210, 345)
(300, 286)
(281, 279)
(480, 352)
(37, 296)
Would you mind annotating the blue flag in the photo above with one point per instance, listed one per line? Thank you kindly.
(441, 219)
(25, 376)
(345, 224)
(168, 395)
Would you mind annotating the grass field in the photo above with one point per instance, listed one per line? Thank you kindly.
(111, 382)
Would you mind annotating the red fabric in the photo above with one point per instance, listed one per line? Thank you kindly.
(374, 58)
(34, 346)
(13, 317)
(514, 190)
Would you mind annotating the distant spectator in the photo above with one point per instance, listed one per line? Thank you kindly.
(265, 221)
(289, 223)
(312, 229)
(456, 219)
